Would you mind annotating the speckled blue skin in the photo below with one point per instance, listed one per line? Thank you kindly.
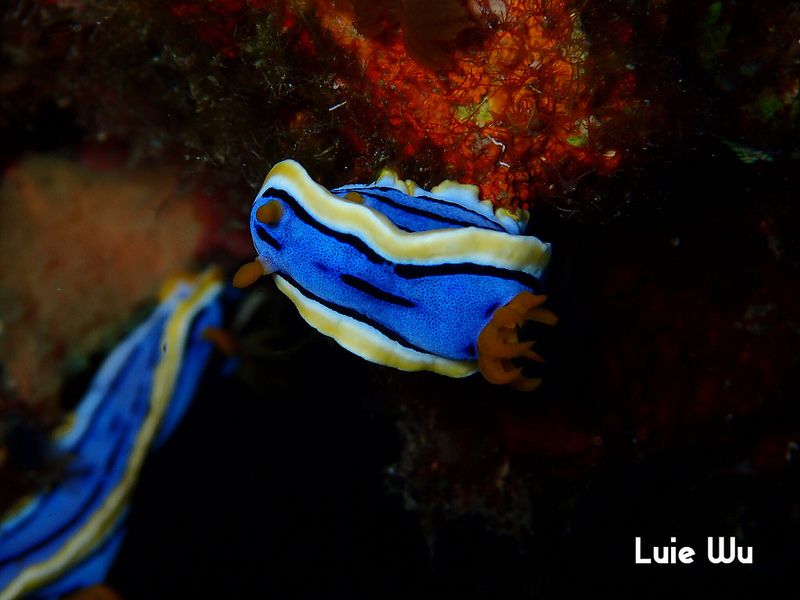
(98, 450)
(440, 313)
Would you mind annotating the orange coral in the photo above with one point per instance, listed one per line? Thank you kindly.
(80, 250)
(512, 114)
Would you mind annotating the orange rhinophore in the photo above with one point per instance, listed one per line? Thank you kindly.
(270, 213)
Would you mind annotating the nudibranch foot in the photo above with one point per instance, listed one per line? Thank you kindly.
(499, 342)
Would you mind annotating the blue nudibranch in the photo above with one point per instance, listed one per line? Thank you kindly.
(66, 537)
(402, 276)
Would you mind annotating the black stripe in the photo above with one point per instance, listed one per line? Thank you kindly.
(392, 335)
(419, 271)
(451, 204)
(415, 210)
(403, 270)
(345, 238)
(428, 214)
(264, 236)
(371, 290)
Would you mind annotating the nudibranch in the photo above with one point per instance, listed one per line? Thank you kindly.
(66, 537)
(402, 276)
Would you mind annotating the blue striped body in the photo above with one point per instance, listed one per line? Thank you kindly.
(421, 272)
(66, 537)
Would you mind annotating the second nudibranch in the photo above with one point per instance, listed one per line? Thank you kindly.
(404, 277)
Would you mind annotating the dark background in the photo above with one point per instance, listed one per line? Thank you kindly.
(291, 493)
